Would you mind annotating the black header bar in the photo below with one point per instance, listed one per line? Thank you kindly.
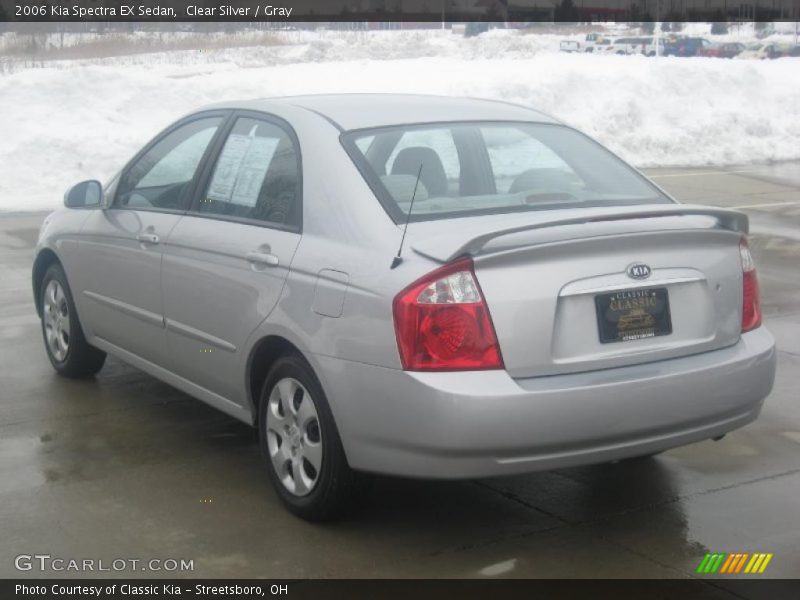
(408, 11)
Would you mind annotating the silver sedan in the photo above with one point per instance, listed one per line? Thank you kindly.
(409, 285)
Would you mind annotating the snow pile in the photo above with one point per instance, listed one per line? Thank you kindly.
(62, 125)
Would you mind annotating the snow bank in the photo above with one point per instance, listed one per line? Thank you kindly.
(62, 125)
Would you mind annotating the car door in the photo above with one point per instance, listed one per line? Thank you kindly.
(120, 247)
(226, 261)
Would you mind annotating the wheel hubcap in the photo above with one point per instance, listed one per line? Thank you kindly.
(56, 320)
(293, 436)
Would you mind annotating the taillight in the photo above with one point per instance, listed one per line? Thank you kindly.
(442, 322)
(751, 305)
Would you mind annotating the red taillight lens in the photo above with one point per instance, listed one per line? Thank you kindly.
(442, 322)
(751, 305)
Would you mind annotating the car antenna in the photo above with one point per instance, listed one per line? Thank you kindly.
(399, 258)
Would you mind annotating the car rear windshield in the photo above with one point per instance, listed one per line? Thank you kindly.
(463, 169)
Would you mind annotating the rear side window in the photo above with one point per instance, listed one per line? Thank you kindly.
(256, 176)
(461, 169)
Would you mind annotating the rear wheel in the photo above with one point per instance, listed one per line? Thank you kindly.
(66, 347)
(301, 446)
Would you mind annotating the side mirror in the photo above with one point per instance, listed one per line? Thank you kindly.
(86, 194)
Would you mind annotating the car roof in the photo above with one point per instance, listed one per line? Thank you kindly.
(360, 111)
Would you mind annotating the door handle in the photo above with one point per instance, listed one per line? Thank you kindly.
(263, 258)
(148, 238)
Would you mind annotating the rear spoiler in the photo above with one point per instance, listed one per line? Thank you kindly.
(726, 219)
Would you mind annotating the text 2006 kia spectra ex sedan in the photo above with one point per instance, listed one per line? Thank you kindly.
(547, 306)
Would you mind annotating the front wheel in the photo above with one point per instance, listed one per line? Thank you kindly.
(301, 445)
(68, 351)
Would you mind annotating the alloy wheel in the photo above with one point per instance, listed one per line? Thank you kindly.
(56, 320)
(294, 437)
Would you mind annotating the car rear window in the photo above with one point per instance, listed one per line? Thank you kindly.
(461, 169)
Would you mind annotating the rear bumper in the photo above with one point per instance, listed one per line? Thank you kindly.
(476, 424)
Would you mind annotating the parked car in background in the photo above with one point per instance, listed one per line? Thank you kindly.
(600, 46)
(794, 51)
(756, 50)
(551, 307)
(635, 45)
(628, 45)
(587, 45)
(777, 50)
(761, 51)
(670, 40)
(593, 40)
(649, 47)
(723, 50)
(686, 46)
(569, 46)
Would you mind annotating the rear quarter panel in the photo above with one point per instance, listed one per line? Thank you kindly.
(347, 231)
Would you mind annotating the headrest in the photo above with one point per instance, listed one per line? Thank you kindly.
(433, 176)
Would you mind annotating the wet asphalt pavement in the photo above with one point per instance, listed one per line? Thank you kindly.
(123, 466)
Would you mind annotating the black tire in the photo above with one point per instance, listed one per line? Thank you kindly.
(643, 456)
(338, 490)
(80, 359)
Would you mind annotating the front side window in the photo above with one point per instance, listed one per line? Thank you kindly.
(160, 178)
(257, 176)
(474, 168)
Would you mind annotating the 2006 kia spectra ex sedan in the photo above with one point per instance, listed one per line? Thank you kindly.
(417, 286)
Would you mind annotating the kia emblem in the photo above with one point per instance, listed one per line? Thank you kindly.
(639, 271)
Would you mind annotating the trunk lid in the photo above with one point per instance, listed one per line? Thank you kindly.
(542, 273)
